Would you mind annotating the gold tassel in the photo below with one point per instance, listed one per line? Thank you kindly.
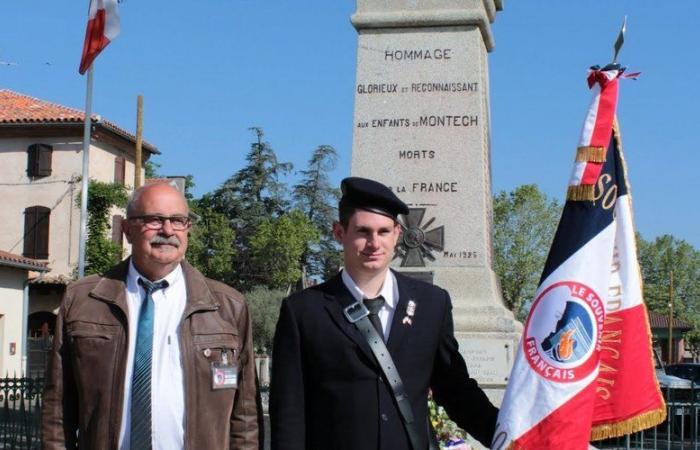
(590, 154)
(629, 426)
(582, 192)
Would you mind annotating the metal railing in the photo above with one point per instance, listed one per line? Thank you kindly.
(21, 399)
(680, 430)
(20, 412)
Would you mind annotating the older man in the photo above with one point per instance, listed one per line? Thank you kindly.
(352, 377)
(152, 354)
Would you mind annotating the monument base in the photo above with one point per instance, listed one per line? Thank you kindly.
(487, 332)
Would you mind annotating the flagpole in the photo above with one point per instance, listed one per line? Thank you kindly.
(86, 163)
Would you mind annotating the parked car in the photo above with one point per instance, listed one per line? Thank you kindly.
(674, 388)
(689, 371)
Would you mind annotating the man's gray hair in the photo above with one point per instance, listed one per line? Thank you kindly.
(135, 198)
(133, 201)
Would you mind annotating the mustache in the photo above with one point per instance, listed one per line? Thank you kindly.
(162, 240)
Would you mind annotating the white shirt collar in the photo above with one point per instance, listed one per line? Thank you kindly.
(389, 290)
(133, 276)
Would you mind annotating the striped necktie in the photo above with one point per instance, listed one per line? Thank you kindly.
(141, 433)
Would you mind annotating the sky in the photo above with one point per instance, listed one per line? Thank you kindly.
(211, 69)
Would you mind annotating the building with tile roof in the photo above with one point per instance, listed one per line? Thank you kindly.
(41, 152)
(658, 323)
(15, 272)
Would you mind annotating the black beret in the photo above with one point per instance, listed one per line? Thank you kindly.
(370, 195)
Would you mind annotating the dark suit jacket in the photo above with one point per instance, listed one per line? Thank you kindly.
(327, 390)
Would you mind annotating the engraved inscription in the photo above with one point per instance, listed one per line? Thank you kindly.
(423, 121)
(444, 87)
(416, 154)
(488, 359)
(429, 187)
(437, 186)
(426, 87)
(389, 123)
(459, 254)
(448, 121)
(377, 88)
(393, 55)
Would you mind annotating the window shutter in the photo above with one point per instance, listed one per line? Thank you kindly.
(117, 235)
(32, 157)
(36, 232)
(29, 232)
(44, 166)
(39, 160)
(119, 170)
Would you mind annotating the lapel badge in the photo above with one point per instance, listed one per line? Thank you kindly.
(410, 312)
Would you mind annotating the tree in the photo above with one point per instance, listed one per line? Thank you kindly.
(524, 224)
(211, 242)
(657, 260)
(247, 198)
(277, 247)
(100, 252)
(151, 168)
(318, 200)
(264, 305)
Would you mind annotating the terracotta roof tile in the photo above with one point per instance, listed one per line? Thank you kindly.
(16, 108)
(52, 279)
(11, 260)
(657, 320)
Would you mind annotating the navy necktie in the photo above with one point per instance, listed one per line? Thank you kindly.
(374, 305)
(141, 432)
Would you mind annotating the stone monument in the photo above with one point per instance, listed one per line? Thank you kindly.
(421, 126)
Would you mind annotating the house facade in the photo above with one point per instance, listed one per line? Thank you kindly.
(15, 272)
(41, 153)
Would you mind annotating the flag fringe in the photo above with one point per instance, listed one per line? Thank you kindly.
(629, 426)
(591, 154)
(581, 192)
(656, 416)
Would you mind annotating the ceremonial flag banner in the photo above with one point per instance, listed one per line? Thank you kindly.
(102, 28)
(584, 370)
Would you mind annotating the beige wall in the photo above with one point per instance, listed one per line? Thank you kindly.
(44, 300)
(57, 191)
(12, 320)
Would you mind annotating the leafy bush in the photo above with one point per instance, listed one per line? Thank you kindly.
(264, 304)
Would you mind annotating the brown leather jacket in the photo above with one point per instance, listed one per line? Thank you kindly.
(85, 377)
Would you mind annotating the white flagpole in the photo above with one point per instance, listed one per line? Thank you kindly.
(86, 171)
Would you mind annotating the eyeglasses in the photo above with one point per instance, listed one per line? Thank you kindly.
(179, 223)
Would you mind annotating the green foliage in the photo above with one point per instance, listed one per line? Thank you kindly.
(211, 242)
(657, 260)
(524, 224)
(317, 199)
(444, 428)
(250, 196)
(151, 168)
(264, 305)
(277, 246)
(100, 252)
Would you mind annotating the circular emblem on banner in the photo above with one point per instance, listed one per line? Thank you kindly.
(562, 332)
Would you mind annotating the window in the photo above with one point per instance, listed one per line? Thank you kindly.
(119, 170)
(36, 232)
(39, 160)
(117, 235)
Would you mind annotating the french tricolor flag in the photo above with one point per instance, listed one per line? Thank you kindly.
(102, 28)
(583, 370)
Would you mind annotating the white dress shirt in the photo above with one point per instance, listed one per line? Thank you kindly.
(167, 389)
(390, 292)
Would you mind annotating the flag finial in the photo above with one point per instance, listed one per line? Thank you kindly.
(620, 39)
